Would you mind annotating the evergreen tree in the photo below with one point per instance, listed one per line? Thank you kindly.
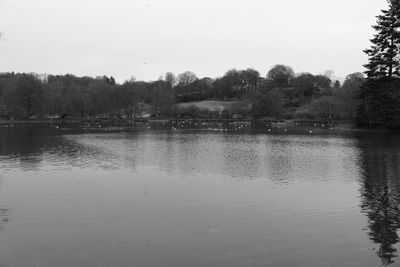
(380, 94)
(384, 60)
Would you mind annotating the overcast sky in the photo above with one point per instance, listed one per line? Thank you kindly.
(146, 38)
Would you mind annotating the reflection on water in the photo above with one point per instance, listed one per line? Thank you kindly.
(4, 217)
(380, 161)
(279, 158)
(4, 212)
(198, 199)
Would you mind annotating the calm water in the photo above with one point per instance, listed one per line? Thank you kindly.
(198, 199)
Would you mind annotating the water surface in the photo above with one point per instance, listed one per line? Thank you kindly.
(191, 198)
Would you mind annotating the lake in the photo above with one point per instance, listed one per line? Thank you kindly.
(198, 198)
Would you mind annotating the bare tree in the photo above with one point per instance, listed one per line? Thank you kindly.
(170, 79)
(186, 78)
(280, 75)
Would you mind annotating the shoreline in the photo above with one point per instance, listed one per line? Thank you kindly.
(195, 124)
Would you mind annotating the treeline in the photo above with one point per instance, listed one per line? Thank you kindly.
(280, 94)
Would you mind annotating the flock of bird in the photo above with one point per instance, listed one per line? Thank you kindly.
(207, 125)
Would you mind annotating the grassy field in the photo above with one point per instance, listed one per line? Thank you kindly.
(212, 105)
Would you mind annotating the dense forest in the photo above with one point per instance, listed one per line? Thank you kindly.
(371, 98)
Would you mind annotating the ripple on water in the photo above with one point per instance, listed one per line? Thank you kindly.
(228, 198)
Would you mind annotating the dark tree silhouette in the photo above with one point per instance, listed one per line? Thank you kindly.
(380, 97)
(280, 75)
(384, 60)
